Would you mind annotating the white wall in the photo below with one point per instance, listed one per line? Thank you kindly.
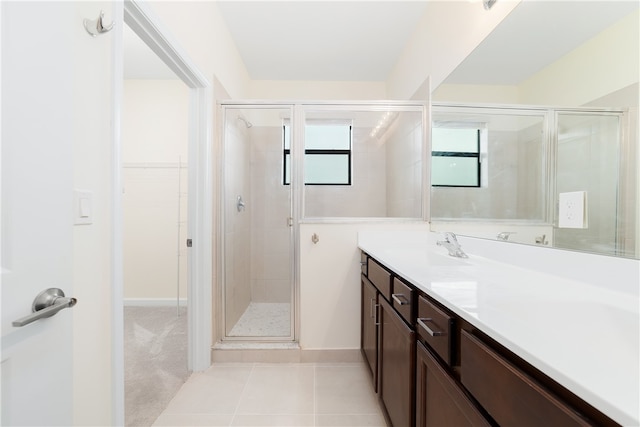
(92, 258)
(155, 121)
(154, 138)
(486, 94)
(203, 34)
(330, 283)
(315, 90)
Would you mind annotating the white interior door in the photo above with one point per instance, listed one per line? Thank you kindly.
(40, 62)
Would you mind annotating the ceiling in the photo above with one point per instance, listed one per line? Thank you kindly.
(362, 40)
(321, 40)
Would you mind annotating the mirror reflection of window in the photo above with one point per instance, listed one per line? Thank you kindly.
(505, 179)
(455, 158)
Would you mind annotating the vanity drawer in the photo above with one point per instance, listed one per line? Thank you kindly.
(380, 277)
(509, 395)
(402, 300)
(436, 328)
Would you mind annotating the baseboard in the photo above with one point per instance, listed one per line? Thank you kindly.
(153, 302)
(286, 354)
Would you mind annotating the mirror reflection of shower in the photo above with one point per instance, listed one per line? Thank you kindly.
(258, 249)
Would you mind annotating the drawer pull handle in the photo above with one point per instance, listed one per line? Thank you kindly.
(396, 298)
(421, 322)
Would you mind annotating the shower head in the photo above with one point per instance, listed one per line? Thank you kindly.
(247, 123)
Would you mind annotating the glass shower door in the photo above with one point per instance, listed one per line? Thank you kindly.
(258, 269)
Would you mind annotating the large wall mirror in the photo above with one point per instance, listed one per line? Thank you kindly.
(535, 134)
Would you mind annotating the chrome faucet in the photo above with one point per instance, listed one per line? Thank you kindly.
(504, 235)
(451, 243)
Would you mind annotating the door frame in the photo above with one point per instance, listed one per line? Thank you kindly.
(143, 21)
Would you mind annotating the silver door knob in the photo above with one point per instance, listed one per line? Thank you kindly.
(46, 304)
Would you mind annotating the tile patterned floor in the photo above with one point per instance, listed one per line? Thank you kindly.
(264, 319)
(282, 394)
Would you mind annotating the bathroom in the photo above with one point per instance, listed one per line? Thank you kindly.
(323, 289)
(326, 255)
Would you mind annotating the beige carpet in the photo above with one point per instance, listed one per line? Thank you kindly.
(155, 360)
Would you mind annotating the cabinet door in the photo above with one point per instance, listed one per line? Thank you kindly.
(369, 328)
(397, 366)
(439, 399)
(509, 395)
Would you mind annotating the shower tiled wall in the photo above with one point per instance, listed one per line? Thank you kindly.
(404, 167)
(269, 207)
(366, 196)
(237, 223)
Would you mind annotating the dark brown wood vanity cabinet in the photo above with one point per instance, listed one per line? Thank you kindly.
(388, 341)
(369, 331)
(439, 399)
(397, 366)
(507, 393)
(432, 368)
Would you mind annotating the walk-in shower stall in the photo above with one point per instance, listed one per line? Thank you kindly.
(286, 163)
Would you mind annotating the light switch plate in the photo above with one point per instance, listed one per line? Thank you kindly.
(572, 210)
(82, 207)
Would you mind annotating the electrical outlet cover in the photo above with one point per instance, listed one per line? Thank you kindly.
(572, 212)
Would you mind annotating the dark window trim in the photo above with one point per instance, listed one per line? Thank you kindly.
(463, 154)
(323, 152)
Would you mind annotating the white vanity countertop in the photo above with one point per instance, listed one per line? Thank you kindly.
(586, 336)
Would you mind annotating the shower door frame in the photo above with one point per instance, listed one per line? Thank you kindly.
(298, 109)
(624, 169)
(293, 336)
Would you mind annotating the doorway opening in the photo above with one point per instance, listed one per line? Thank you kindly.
(139, 18)
(155, 130)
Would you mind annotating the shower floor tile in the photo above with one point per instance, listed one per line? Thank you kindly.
(264, 319)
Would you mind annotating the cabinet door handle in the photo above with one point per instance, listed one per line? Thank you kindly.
(376, 321)
(421, 322)
(372, 301)
(396, 298)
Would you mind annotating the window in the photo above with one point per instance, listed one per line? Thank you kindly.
(327, 154)
(455, 157)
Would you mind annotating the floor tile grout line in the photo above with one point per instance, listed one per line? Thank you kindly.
(244, 388)
(315, 394)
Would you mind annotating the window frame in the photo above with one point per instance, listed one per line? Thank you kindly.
(319, 152)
